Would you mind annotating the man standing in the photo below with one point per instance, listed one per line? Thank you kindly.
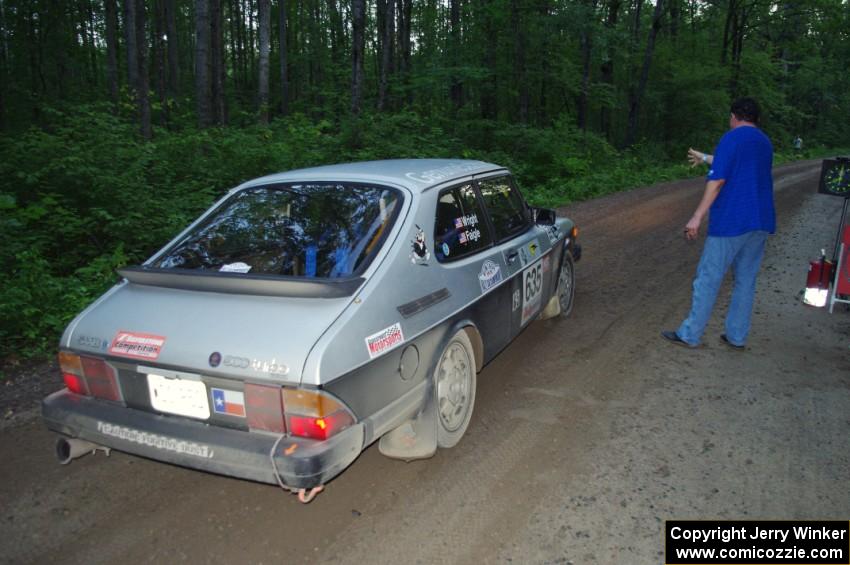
(739, 194)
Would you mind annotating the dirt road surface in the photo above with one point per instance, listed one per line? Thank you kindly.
(588, 432)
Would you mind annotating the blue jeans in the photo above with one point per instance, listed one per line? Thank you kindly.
(743, 253)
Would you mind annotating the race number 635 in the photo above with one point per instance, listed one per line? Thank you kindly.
(533, 282)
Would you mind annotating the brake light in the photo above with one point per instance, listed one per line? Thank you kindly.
(75, 384)
(314, 414)
(89, 376)
(264, 408)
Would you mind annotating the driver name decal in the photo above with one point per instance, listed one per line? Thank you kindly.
(384, 340)
(137, 345)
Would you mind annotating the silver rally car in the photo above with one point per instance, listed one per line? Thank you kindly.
(310, 313)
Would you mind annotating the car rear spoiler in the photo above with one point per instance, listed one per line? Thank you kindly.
(240, 283)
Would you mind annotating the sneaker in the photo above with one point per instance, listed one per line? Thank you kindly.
(673, 337)
(725, 340)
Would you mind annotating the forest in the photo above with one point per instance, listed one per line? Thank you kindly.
(121, 120)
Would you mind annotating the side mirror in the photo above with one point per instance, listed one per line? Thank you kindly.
(543, 216)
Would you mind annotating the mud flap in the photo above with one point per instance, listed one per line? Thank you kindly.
(416, 438)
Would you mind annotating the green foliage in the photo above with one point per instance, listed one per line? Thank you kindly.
(88, 196)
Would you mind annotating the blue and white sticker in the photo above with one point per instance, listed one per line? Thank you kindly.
(489, 276)
(446, 250)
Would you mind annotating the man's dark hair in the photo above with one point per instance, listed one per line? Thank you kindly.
(746, 109)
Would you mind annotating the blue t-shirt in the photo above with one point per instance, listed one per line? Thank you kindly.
(744, 159)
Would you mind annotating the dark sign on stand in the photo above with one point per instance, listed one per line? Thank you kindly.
(835, 177)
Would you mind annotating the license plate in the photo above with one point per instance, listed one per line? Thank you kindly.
(179, 396)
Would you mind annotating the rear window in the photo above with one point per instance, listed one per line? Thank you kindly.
(325, 230)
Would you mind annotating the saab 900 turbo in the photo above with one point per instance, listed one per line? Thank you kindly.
(311, 313)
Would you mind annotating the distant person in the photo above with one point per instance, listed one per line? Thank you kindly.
(798, 143)
(739, 195)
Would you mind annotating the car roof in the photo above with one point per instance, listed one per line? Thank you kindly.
(416, 174)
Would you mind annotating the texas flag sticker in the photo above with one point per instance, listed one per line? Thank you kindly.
(230, 402)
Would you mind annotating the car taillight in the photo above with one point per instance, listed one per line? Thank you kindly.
(89, 376)
(264, 408)
(314, 414)
(75, 384)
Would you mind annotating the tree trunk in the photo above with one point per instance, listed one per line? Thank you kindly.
(487, 96)
(358, 48)
(158, 42)
(387, 10)
(219, 108)
(202, 63)
(337, 31)
(173, 48)
(607, 68)
(675, 18)
(142, 98)
(635, 99)
(264, 29)
(586, 45)
(456, 92)
(4, 66)
(130, 43)
(284, 62)
(519, 61)
(93, 51)
(252, 69)
(112, 52)
(405, 10)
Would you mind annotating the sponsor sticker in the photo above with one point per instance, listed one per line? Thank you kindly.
(419, 254)
(532, 290)
(446, 249)
(230, 402)
(386, 339)
(533, 248)
(546, 264)
(238, 267)
(137, 345)
(517, 300)
(154, 440)
(554, 233)
(442, 173)
(489, 276)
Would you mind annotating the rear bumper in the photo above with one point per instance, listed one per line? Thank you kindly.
(301, 463)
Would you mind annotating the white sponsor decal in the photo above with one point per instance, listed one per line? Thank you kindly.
(235, 268)
(532, 289)
(490, 275)
(141, 346)
(154, 440)
(442, 173)
(517, 300)
(384, 340)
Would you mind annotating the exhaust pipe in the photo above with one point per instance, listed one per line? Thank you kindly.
(68, 449)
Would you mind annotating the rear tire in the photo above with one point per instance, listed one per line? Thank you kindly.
(454, 381)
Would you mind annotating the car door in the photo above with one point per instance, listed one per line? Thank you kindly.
(474, 267)
(524, 248)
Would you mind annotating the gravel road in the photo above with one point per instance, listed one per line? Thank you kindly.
(588, 432)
